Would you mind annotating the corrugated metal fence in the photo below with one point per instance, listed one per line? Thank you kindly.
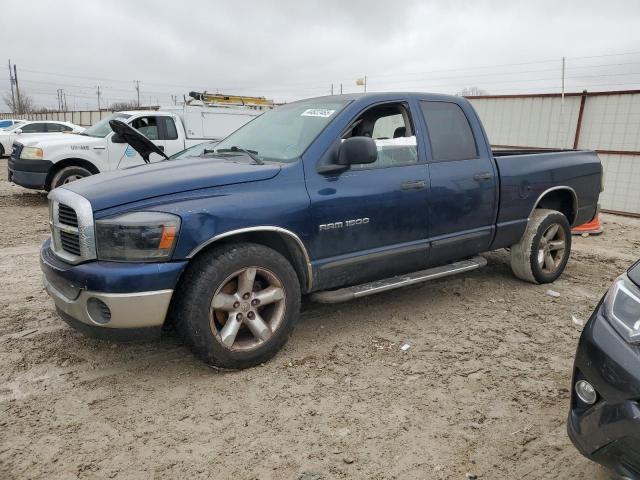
(608, 122)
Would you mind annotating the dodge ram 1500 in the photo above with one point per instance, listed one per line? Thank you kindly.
(335, 197)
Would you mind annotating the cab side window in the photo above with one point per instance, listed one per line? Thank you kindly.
(148, 126)
(390, 127)
(449, 131)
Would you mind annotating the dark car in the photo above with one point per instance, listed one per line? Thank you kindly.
(604, 420)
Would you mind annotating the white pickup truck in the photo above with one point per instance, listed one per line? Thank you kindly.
(46, 163)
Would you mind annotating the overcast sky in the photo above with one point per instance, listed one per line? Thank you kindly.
(295, 49)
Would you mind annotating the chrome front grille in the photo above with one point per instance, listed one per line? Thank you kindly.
(70, 243)
(72, 227)
(67, 215)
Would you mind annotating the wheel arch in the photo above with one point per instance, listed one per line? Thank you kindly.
(284, 241)
(70, 162)
(562, 199)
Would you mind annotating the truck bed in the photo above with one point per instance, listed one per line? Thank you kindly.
(527, 175)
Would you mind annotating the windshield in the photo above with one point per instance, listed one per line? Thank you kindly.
(195, 151)
(284, 133)
(102, 128)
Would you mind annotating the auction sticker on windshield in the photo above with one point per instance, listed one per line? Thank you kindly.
(317, 112)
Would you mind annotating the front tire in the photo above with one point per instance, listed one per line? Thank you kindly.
(542, 253)
(68, 175)
(237, 305)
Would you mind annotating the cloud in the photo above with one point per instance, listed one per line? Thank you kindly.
(293, 49)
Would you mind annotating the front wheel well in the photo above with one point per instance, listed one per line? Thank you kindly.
(562, 200)
(69, 162)
(282, 243)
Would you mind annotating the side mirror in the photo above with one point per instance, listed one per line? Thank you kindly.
(117, 138)
(18, 131)
(357, 150)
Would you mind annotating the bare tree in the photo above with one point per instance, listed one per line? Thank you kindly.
(119, 106)
(23, 103)
(472, 92)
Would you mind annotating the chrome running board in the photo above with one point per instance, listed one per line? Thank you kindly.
(357, 291)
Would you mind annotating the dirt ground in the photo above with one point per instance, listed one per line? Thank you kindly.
(483, 388)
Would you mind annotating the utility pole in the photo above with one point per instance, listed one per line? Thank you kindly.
(341, 89)
(332, 89)
(562, 126)
(98, 92)
(563, 68)
(13, 97)
(15, 79)
(137, 82)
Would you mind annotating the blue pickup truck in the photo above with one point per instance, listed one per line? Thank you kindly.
(335, 197)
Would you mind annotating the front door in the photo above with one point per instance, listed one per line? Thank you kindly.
(123, 155)
(463, 181)
(371, 220)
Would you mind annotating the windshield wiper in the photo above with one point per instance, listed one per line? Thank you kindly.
(250, 153)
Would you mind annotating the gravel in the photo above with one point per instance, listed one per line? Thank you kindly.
(484, 387)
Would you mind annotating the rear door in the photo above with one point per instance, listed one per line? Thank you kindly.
(463, 183)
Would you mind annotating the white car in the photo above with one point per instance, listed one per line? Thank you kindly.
(28, 129)
(46, 163)
(6, 123)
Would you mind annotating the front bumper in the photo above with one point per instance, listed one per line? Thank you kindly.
(110, 299)
(29, 173)
(125, 310)
(607, 432)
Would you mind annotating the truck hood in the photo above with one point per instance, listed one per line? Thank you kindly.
(111, 189)
(62, 140)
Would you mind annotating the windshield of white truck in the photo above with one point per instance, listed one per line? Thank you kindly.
(282, 134)
(102, 128)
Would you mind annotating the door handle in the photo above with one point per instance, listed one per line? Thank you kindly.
(160, 147)
(482, 176)
(413, 185)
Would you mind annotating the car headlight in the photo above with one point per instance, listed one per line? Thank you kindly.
(622, 308)
(137, 237)
(31, 153)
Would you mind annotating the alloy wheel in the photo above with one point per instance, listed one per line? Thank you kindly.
(247, 308)
(551, 248)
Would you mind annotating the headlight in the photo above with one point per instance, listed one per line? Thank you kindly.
(31, 153)
(622, 307)
(137, 237)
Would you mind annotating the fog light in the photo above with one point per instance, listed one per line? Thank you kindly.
(586, 392)
(98, 311)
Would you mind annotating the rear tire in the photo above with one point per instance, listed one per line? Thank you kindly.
(68, 175)
(237, 305)
(542, 253)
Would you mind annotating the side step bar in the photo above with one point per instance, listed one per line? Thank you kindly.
(357, 291)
